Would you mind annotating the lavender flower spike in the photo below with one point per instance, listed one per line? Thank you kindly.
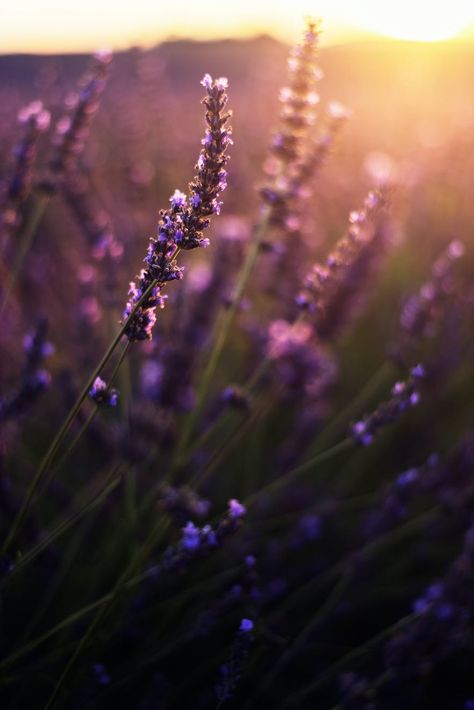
(181, 226)
(404, 396)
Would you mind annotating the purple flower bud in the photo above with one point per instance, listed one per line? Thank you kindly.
(222, 83)
(250, 561)
(191, 537)
(209, 535)
(236, 509)
(246, 625)
(407, 477)
(97, 388)
(178, 199)
(207, 81)
(418, 372)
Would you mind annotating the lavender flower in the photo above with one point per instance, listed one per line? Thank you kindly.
(246, 625)
(301, 364)
(299, 98)
(101, 394)
(443, 622)
(235, 397)
(101, 674)
(395, 498)
(35, 379)
(191, 537)
(35, 119)
(332, 289)
(231, 671)
(236, 509)
(404, 396)
(71, 132)
(421, 315)
(197, 542)
(182, 503)
(182, 225)
(296, 158)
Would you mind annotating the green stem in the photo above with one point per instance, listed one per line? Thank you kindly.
(242, 427)
(301, 469)
(326, 608)
(370, 548)
(63, 527)
(66, 563)
(220, 420)
(49, 455)
(125, 577)
(25, 238)
(348, 659)
(222, 331)
(88, 421)
(90, 418)
(342, 420)
(383, 542)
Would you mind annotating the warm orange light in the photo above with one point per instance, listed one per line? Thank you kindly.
(412, 19)
(48, 26)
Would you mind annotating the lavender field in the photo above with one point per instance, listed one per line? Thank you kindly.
(236, 377)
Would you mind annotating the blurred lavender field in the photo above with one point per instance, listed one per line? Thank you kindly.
(268, 503)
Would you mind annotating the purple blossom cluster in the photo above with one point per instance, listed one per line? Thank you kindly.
(333, 289)
(299, 98)
(182, 503)
(100, 393)
(291, 596)
(301, 363)
(182, 225)
(35, 378)
(442, 621)
(423, 313)
(35, 119)
(393, 505)
(404, 396)
(297, 155)
(72, 129)
(230, 672)
(205, 537)
(197, 542)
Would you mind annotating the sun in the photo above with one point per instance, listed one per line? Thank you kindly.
(420, 20)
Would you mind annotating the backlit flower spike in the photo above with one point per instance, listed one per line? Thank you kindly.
(181, 226)
(333, 288)
(72, 129)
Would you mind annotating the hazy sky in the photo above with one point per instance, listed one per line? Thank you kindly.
(52, 25)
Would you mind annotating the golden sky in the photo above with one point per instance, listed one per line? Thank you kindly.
(85, 25)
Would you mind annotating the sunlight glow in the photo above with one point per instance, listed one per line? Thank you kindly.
(409, 19)
(52, 26)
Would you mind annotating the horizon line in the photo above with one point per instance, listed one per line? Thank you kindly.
(334, 39)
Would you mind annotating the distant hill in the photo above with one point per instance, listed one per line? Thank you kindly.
(398, 91)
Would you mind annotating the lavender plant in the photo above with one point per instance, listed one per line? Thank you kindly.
(232, 513)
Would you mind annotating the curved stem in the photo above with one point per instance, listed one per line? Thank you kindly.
(25, 239)
(353, 408)
(49, 455)
(63, 527)
(370, 548)
(349, 658)
(326, 608)
(242, 427)
(222, 331)
(125, 577)
(301, 469)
